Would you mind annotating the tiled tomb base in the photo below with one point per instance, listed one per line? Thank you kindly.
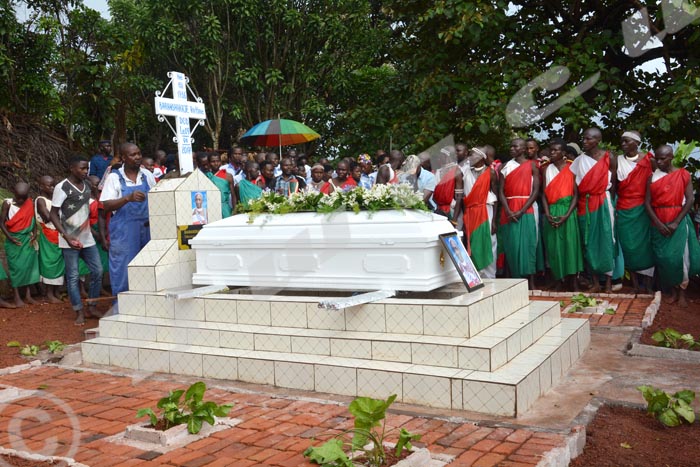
(488, 351)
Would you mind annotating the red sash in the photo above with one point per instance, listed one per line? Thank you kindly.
(221, 174)
(23, 217)
(561, 186)
(326, 188)
(667, 195)
(445, 191)
(518, 188)
(475, 212)
(50, 234)
(593, 186)
(631, 190)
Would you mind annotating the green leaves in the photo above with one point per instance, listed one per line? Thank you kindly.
(671, 338)
(192, 411)
(404, 441)
(329, 454)
(669, 410)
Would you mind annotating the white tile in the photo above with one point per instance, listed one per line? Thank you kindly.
(236, 340)
(545, 373)
(456, 387)
(125, 357)
(112, 328)
(336, 380)
(432, 354)
(351, 348)
(187, 269)
(220, 367)
(528, 391)
(505, 303)
(446, 320)
(273, 343)
(221, 311)
(369, 317)
(583, 338)
(154, 360)
(161, 203)
(498, 399)
(294, 375)
(185, 363)
(555, 360)
(480, 316)
(132, 304)
(320, 318)
(391, 351)
(142, 278)
(190, 309)
(141, 332)
(256, 371)
(253, 312)
(573, 348)
(157, 306)
(379, 384)
(526, 336)
(203, 337)
(427, 390)
(404, 319)
(167, 276)
(95, 353)
(172, 334)
(514, 344)
(565, 357)
(288, 314)
(499, 355)
(162, 227)
(471, 358)
(311, 345)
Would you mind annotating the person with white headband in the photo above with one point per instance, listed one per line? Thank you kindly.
(633, 170)
(478, 205)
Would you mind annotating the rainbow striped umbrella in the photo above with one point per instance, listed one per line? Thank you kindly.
(279, 132)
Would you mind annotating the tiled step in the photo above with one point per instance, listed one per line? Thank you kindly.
(489, 350)
(508, 391)
(459, 315)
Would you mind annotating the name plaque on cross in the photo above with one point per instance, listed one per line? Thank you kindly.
(183, 110)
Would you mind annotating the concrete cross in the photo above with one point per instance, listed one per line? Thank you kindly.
(183, 110)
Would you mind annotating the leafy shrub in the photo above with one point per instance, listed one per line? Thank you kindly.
(669, 410)
(366, 439)
(673, 339)
(192, 411)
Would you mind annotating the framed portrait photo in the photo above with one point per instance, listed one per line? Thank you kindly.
(458, 254)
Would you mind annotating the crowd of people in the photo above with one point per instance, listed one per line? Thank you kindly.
(583, 214)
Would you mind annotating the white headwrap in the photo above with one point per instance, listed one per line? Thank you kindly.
(632, 136)
(479, 152)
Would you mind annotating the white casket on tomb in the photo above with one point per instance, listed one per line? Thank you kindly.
(391, 250)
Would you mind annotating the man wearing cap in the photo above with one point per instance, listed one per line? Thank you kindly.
(633, 171)
(101, 160)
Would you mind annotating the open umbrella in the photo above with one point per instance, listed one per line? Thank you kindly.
(279, 132)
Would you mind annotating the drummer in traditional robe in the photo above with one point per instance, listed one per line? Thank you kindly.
(560, 231)
(17, 223)
(632, 221)
(478, 206)
(595, 178)
(518, 229)
(52, 267)
(668, 200)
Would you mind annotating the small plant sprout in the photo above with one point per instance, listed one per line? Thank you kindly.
(365, 441)
(580, 301)
(29, 350)
(54, 346)
(669, 410)
(673, 339)
(193, 410)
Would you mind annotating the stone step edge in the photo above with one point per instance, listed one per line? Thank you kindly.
(461, 353)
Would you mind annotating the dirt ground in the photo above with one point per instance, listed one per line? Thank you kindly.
(683, 320)
(622, 437)
(36, 324)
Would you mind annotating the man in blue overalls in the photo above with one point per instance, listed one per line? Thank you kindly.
(125, 193)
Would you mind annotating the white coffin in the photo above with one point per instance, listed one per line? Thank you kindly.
(395, 250)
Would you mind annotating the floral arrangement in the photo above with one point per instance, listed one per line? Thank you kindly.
(379, 197)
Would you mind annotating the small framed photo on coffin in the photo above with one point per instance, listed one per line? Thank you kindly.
(458, 254)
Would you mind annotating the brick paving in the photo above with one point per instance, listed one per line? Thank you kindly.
(630, 311)
(79, 409)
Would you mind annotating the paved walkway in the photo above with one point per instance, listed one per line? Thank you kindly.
(77, 410)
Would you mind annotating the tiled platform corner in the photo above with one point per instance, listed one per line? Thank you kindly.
(490, 351)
